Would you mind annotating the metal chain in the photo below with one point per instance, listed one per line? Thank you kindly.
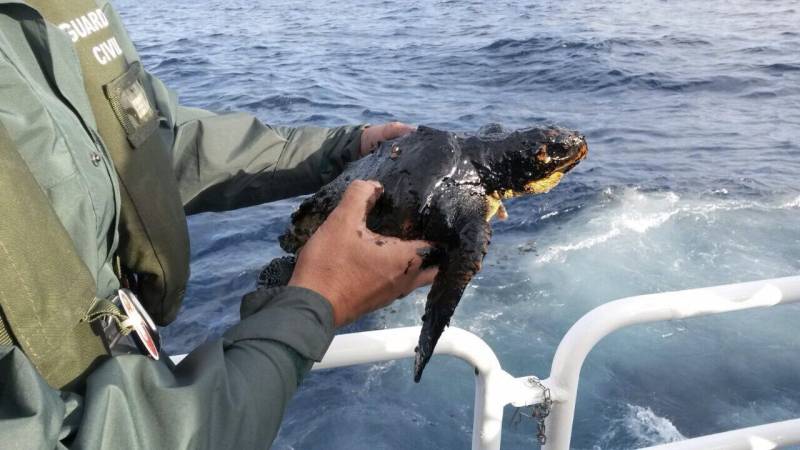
(539, 411)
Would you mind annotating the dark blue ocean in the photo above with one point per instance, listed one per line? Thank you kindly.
(692, 113)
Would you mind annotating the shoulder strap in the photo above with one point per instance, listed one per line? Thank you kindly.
(45, 288)
(153, 235)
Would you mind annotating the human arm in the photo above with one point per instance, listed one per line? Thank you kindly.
(229, 161)
(229, 393)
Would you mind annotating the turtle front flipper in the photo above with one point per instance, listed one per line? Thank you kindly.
(456, 270)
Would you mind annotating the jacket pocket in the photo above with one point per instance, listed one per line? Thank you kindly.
(131, 105)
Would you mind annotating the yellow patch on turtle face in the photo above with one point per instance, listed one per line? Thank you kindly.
(495, 207)
(494, 201)
(543, 185)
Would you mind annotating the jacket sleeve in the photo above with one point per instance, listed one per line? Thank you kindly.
(230, 393)
(229, 161)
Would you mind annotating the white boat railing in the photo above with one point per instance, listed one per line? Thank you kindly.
(495, 388)
(612, 316)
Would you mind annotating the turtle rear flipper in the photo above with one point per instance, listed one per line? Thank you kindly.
(311, 213)
(277, 272)
(455, 272)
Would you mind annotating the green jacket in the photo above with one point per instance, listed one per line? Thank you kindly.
(228, 393)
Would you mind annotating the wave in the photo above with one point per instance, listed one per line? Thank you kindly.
(780, 68)
(792, 204)
(559, 64)
(630, 216)
(283, 102)
(639, 426)
(636, 213)
(545, 43)
(182, 62)
(553, 43)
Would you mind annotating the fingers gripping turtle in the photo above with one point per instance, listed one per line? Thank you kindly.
(355, 269)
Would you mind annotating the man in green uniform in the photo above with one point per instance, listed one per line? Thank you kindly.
(98, 165)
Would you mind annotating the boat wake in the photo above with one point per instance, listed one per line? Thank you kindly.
(639, 426)
(630, 213)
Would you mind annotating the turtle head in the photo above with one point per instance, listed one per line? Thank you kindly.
(528, 161)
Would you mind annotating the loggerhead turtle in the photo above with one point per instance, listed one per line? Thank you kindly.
(442, 187)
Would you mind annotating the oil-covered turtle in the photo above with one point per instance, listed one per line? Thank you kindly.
(444, 188)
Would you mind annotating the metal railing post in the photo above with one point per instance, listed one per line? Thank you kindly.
(490, 381)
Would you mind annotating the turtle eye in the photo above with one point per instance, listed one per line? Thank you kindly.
(542, 155)
(561, 150)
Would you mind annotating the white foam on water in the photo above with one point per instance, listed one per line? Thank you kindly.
(633, 212)
(482, 324)
(376, 374)
(555, 252)
(791, 204)
(640, 426)
(649, 428)
(549, 215)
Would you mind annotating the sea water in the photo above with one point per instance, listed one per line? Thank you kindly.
(692, 113)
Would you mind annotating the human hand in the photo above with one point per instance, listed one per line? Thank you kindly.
(359, 271)
(372, 136)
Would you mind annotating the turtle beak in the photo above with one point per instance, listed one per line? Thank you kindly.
(577, 156)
